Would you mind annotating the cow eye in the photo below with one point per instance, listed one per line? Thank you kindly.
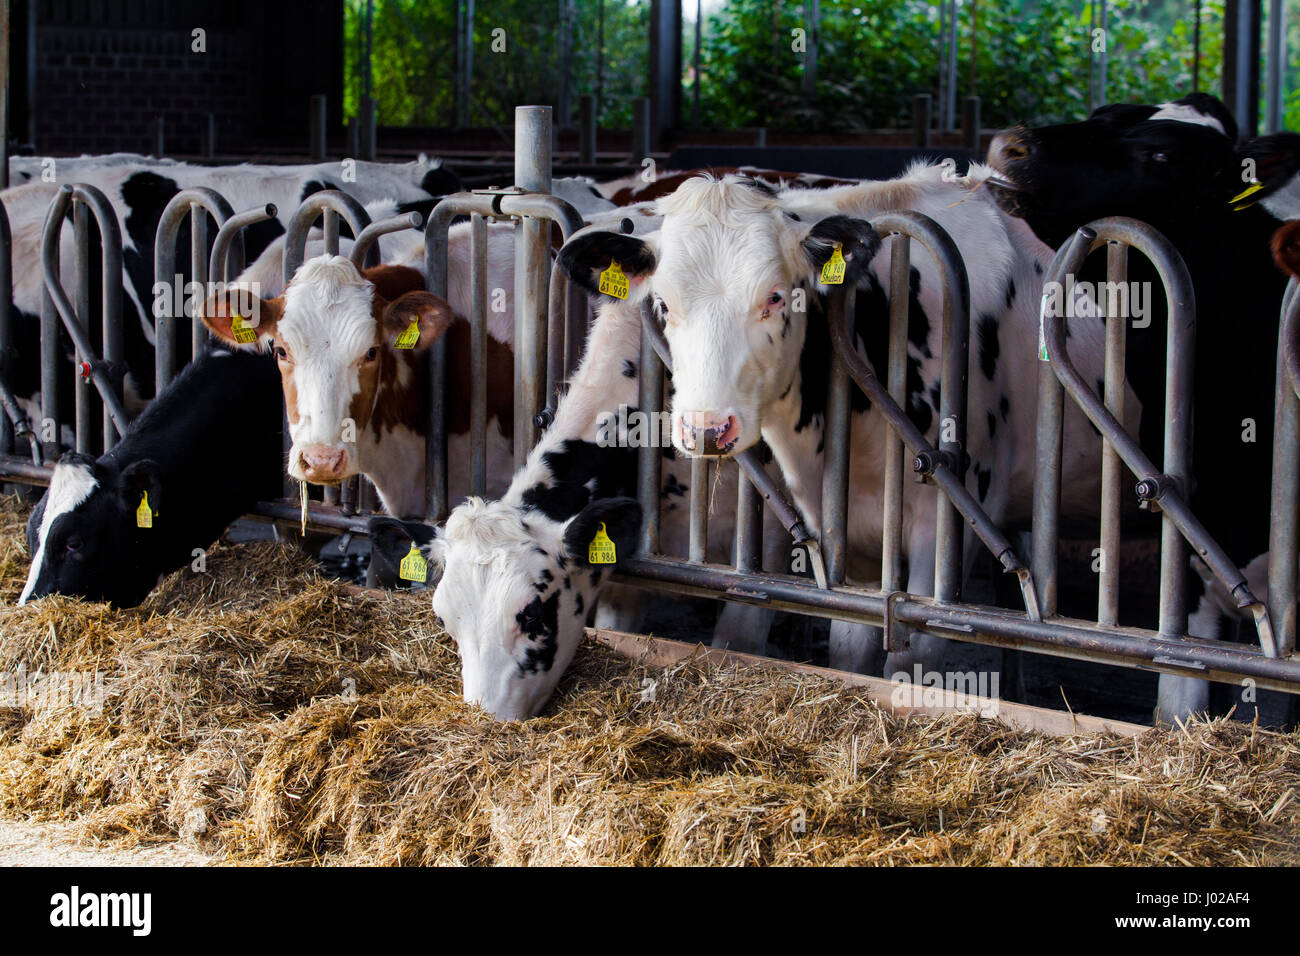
(775, 299)
(1160, 157)
(279, 352)
(73, 543)
(372, 354)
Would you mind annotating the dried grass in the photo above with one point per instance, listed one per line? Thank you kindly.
(275, 716)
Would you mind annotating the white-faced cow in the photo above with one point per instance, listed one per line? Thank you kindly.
(1177, 166)
(727, 274)
(202, 454)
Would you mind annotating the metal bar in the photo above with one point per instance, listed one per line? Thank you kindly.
(198, 274)
(1284, 526)
(891, 554)
(1061, 637)
(317, 122)
(478, 354)
(8, 425)
(365, 246)
(157, 138)
(1112, 469)
(182, 205)
(533, 173)
(329, 203)
(921, 104)
(970, 125)
(640, 129)
(749, 526)
(837, 432)
(649, 456)
(221, 264)
(698, 544)
(208, 136)
(85, 412)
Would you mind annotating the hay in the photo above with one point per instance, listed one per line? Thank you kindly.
(274, 716)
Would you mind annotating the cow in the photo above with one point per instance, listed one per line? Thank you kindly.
(734, 276)
(517, 582)
(632, 189)
(202, 454)
(1177, 166)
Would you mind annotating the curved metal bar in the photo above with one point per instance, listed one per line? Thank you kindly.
(1284, 529)
(1289, 343)
(231, 231)
(7, 434)
(106, 373)
(185, 204)
(1164, 489)
(328, 203)
(370, 235)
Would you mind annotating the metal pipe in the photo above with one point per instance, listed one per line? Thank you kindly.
(836, 433)
(221, 264)
(1112, 469)
(328, 203)
(649, 456)
(1284, 526)
(8, 425)
(891, 554)
(198, 274)
(532, 173)
(478, 354)
(640, 129)
(84, 412)
(749, 526)
(921, 105)
(317, 122)
(364, 247)
(697, 548)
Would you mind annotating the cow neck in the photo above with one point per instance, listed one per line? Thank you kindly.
(599, 387)
(391, 448)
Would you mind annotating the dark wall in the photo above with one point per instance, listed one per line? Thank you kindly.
(104, 70)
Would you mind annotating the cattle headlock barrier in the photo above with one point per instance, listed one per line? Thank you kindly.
(550, 323)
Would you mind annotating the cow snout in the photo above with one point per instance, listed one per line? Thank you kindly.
(324, 463)
(1010, 147)
(709, 434)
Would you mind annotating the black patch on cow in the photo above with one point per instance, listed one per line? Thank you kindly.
(986, 331)
(1004, 407)
(578, 605)
(673, 487)
(1038, 269)
(538, 623)
(982, 478)
(629, 368)
(573, 466)
(1011, 291)
(585, 257)
(441, 181)
(993, 424)
(313, 186)
(757, 185)
(918, 323)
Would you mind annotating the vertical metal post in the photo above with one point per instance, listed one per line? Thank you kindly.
(208, 136)
(49, 426)
(1102, 57)
(478, 354)
(4, 99)
(891, 554)
(316, 119)
(749, 524)
(367, 143)
(640, 128)
(835, 477)
(587, 129)
(698, 546)
(1275, 58)
(6, 301)
(649, 456)
(84, 396)
(198, 272)
(1196, 46)
(1284, 528)
(1112, 468)
(532, 261)
(950, 68)
(696, 76)
(921, 103)
(564, 68)
(970, 125)
(156, 143)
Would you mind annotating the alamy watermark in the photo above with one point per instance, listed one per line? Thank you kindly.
(1090, 300)
(52, 689)
(973, 691)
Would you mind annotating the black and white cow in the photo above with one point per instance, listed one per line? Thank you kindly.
(204, 452)
(734, 273)
(1177, 166)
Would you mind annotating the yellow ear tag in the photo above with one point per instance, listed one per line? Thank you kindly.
(613, 281)
(833, 271)
(241, 330)
(1248, 191)
(409, 338)
(413, 566)
(144, 514)
(601, 549)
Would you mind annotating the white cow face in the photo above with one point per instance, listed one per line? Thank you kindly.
(335, 333)
(730, 273)
(515, 591)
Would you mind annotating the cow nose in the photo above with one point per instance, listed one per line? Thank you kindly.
(709, 434)
(1010, 146)
(323, 462)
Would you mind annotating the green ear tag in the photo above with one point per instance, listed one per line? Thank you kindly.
(410, 337)
(144, 514)
(239, 328)
(413, 566)
(833, 271)
(613, 281)
(601, 550)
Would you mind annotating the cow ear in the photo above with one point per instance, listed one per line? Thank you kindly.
(584, 257)
(1286, 248)
(855, 238)
(1267, 163)
(393, 282)
(236, 315)
(137, 479)
(390, 542)
(422, 313)
(621, 518)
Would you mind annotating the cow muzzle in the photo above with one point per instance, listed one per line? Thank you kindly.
(1010, 148)
(323, 464)
(708, 434)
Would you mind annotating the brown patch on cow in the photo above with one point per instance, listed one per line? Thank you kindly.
(290, 393)
(393, 282)
(1286, 248)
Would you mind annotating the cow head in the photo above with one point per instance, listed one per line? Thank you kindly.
(515, 591)
(343, 339)
(730, 273)
(1167, 165)
(83, 534)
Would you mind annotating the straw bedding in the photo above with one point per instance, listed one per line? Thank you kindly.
(272, 715)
